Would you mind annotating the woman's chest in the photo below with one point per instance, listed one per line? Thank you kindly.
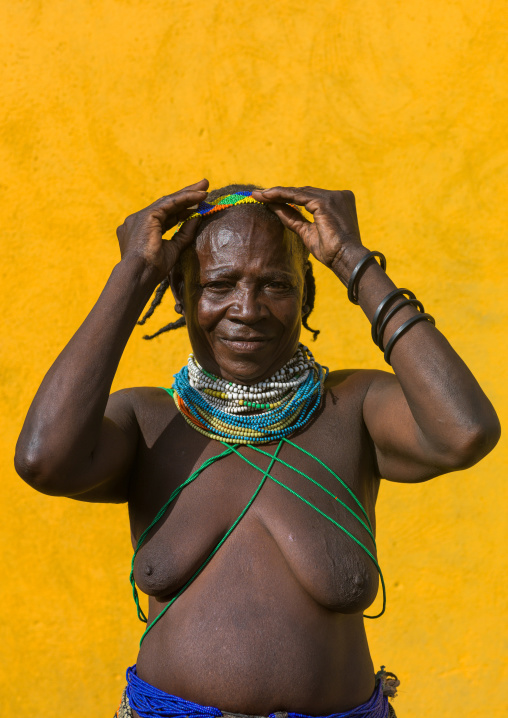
(313, 514)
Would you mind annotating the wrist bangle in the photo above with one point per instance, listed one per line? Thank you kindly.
(352, 289)
(402, 329)
(382, 305)
(408, 302)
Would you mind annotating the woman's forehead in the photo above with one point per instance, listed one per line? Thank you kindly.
(245, 237)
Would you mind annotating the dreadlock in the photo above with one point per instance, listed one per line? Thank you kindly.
(309, 276)
(311, 296)
(159, 293)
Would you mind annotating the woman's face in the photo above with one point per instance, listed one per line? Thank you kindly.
(242, 295)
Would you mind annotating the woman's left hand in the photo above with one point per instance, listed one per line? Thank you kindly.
(334, 231)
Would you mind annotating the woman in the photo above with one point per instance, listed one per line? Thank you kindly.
(260, 567)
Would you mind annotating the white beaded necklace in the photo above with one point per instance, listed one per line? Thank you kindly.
(234, 398)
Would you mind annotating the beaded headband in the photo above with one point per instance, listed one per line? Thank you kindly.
(229, 200)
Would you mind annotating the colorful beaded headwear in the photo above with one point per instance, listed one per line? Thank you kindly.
(229, 200)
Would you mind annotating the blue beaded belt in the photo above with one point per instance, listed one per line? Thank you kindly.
(151, 702)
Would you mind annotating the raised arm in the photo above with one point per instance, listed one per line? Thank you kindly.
(432, 416)
(76, 440)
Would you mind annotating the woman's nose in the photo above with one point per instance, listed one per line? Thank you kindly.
(247, 306)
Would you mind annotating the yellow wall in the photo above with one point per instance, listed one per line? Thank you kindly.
(106, 105)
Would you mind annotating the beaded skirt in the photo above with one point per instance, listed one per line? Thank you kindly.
(125, 711)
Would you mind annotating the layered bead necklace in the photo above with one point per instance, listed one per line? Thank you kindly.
(262, 412)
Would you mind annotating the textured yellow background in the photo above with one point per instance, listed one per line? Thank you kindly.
(106, 105)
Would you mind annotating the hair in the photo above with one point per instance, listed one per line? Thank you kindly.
(269, 216)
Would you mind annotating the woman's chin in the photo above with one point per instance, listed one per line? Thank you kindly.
(246, 362)
(243, 370)
(246, 366)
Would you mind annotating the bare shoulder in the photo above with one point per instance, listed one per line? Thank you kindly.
(358, 381)
(140, 397)
(349, 391)
(148, 406)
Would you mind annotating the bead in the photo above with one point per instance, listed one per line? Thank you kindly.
(258, 413)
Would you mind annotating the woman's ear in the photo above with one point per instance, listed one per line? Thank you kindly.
(176, 282)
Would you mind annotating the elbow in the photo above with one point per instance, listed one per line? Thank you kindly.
(35, 472)
(30, 471)
(473, 444)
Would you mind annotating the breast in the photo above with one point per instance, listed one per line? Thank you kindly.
(160, 569)
(339, 576)
(178, 546)
(336, 572)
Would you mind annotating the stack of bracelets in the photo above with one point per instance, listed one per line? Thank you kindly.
(381, 315)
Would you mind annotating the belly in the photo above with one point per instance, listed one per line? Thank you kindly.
(249, 636)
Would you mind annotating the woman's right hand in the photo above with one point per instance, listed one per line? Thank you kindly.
(141, 233)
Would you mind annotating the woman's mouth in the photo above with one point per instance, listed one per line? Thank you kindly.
(251, 344)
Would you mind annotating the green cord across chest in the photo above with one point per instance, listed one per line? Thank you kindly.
(360, 517)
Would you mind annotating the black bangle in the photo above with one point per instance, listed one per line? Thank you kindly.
(403, 328)
(382, 305)
(352, 290)
(408, 302)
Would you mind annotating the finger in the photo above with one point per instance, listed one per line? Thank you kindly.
(185, 213)
(167, 210)
(199, 187)
(349, 196)
(181, 240)
(179, 217)
(307, 197)
(202, 184)
(292, 219)
(187, 232)
(179, 200)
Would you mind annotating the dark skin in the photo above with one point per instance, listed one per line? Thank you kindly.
(275, 620)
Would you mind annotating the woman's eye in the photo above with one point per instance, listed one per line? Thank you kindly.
(218, 286)
(277, 285)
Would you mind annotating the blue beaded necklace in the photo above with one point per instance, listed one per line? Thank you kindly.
(218, 409)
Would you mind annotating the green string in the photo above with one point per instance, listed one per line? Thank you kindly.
(266, 474)
(330, 493)
(161, 513)
(228, 532)
(343, 483)
(335, 523)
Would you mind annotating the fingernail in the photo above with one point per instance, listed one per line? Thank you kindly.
(194, 206)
